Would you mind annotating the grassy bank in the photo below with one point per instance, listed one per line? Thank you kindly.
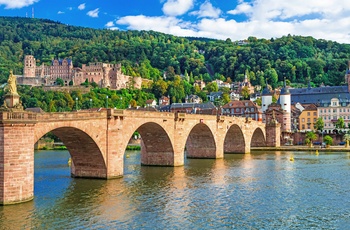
(303, 148)
(133, 147)
(61, 147)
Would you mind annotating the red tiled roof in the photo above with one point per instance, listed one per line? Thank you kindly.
(239, 104)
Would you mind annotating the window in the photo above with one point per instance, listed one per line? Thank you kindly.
(303, 127)
(334, 110)
(315, 114)
(308, 120)
(303, 120)
(308, 113)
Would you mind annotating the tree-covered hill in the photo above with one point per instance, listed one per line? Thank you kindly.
(149, 54)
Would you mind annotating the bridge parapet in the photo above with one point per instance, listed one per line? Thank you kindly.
(180, 116)
(139, 114)
(71, 116)
(10, 117)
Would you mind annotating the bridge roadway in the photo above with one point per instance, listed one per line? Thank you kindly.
(97, 141)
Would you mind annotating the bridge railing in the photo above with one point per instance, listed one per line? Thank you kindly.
(18, 116)
(139, 113)
(72, 116)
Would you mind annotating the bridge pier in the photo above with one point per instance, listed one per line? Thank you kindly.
(273, 134)
(16, 162)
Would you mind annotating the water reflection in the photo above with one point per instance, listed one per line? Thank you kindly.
(262, 190)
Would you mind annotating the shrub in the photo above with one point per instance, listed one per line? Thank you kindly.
(328, 140)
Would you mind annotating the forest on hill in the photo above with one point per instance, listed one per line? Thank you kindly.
(150, 54)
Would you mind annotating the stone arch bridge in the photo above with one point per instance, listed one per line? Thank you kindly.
(97, 141)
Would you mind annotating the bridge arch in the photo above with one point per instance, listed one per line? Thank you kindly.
(87, 158)
(234, 141)
(258, 138)
(200, 142)
(156, 146)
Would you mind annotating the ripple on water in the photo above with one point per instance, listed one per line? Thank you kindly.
(259, 191)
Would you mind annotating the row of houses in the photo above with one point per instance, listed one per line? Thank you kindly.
(295, 109)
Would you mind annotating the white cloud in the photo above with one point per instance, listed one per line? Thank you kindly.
(13, 4)
(109, 24)
(113, 28)
(60, 12)
(262, 18)
(272, 9)
(177, 7)
(141, 22)
(70, 8)
(93, 13)
(243, 8)
(207, 10)
(81, 6)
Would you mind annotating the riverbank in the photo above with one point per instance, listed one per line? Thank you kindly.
(303, 148)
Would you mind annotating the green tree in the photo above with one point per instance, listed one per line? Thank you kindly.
(159, 88)
(225, 98)
(177, 90)
(258, 101)
(319, 124)
(340, 124)
(309, 137)
(212, 87)
(328, 140)
(170, 73)
(271, 74)
(133, 103)
(59, 82)
(245, 93)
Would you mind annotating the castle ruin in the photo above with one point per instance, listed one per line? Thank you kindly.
(103, 74)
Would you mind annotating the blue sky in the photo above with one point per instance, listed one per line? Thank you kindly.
(221, 19)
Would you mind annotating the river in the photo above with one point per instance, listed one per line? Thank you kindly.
(262, 190)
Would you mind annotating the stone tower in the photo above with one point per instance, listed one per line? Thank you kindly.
(29, 66)
(285, 102)
(105, 81)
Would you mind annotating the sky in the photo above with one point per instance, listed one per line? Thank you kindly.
(219, 19)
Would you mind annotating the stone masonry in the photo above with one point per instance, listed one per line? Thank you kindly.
(97, 141)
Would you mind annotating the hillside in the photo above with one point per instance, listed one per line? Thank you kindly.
(149, 54)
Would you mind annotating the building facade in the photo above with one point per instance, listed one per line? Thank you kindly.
(308, 118)
(103, 74)
(330, 111)
(280, 111)
(245, 108)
